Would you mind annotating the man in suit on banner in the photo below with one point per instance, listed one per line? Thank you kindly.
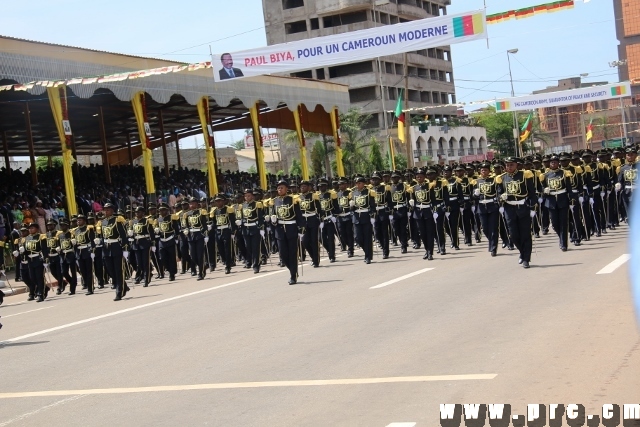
(228, 71)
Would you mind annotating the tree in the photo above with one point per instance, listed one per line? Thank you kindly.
(42, 162)
(356, 138)
(375, 157)
(401, 162)
(499, 128)
(295, 169)
(317, 158)
(252, 169)
(239, 144)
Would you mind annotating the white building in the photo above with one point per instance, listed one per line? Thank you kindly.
(446, 145)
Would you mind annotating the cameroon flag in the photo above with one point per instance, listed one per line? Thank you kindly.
(590, 130)
(400, 116)
(525, 131)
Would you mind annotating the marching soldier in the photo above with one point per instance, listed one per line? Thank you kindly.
(363, 206)
(54, 256)
(210, 246)
(250, 221)
(309, 204)
(465, 186)
(35, 251)
(329, 209)
(598, 185)
(558, 193)
(68, 256)
(345, 218)
(114, 252)
(627, 179)
(98, 261)
(84, 236)
(455, 207)
(381, 226)
(486, 194)
(153, 220)
(421, 202)
(22, 264)
(167, 231)
(516, 190)
(440, 202)
(142, 240)
(183, 242)
(224, 219)
(286, 216)
(576, 222)
(196, 235)
(400, 210)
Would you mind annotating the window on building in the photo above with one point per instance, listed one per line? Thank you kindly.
(303, 74)
(425, 97)
(427, 7)
(433, 74)
(320, 74)
(564, 121)
(412, 71)
(423, 73)
(441, 76)
(435, 96)
(414, 95)
(295, 27)
(350, 69)
(439, 54)
(633, 60)
(444, 98)
(447, 55)
(399, 69)
(449, 77)
(315, 23)
(393, 19)
(344, 19)
(402, 20)
(631, 17)
(292, 4)
(389, 68)
(392, 93)
(431, 53)
(363, 94)
(422, 52)
(435, 9)
(373, 123)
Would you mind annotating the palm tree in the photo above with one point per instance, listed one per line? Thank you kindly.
(356, 138)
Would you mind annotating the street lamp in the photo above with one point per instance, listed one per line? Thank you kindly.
(516, 131)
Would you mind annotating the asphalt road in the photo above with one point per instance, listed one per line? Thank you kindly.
(249, 350)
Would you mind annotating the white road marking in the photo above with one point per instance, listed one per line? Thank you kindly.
(138, 307)
(409, 424)
(613, 265)
(25, 312)
(263, 384)
(397, 279)
(44, 408)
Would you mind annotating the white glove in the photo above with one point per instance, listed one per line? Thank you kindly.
(93, 255)
(58, 249)
(130, 239)
(300, 235)
(546, 190)
(581, 199)
(16, 254)
(73, 242)
(591, 201)
(129, 233)
(476, 192)
(461, 210)
(504, 197)
(125, 254)
(21, 249)
(2, 273)
(153, 248)
(97, 241)
(274, 219)
(602, 193)
(262, 231)
(435, 216)
(501, 210)
(209, 227)
(321, 225)
(373, 221)
(608, 192)
(156, 230)
(618, 186)
(532, 214)
(46, 266)
(238, 222)
(447, 214)
(540, 200)
(333, 219)
(352, 203)
(412, 202)
(185, 231)
(233, 237)
(267, 218)
(473, 209)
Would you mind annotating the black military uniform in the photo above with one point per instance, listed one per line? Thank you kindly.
(557, 189)
(286, 216)
(464, 188)
(516, 190)
(627, 180)
(114, 252)
(142, 238)
(183, 242)
(363, 206)
(98, 260)
(250, 220)
(382, 224)
(329, 210)
(440, 202)
(197, 235)
(486, 196)
(84, 236)
(598, 183)
(224, 227)
(452, 214)
(345, 218)
(35, 252)
(309, 204)
(167, 231)
(421, 202)
(67, 256)
(53, 260)
(153, 220)
(400, 210)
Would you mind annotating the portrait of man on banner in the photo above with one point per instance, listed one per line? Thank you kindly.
(228, 71)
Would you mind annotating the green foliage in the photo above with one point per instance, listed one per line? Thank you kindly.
(499, 128)
(239, 144)
(280, 173)
(317, 159)
(401, 162)
(42, 162)
(376, 162)
(252, 169)
(296, 168)
(356, 139)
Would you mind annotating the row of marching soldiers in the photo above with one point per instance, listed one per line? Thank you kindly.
(580, 195)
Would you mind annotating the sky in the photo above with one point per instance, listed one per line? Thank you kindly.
(550, 46)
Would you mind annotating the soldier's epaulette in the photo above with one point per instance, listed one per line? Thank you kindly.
(578, 170)
(175, 217)
(295, 198)
(16, 242)
(120, 219)
(43, 237)
(204, 212)
(1, 244)
(618, 169)
(387, 187)
(230, 210)
(498, 178)
(73, 230)
(473, 181)
(432, 184)
(259, 205)
(568, 174)
(315, 196)
(334, 195)
(587, 168)
(58, 233)
(90, 227)
(527, 174)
